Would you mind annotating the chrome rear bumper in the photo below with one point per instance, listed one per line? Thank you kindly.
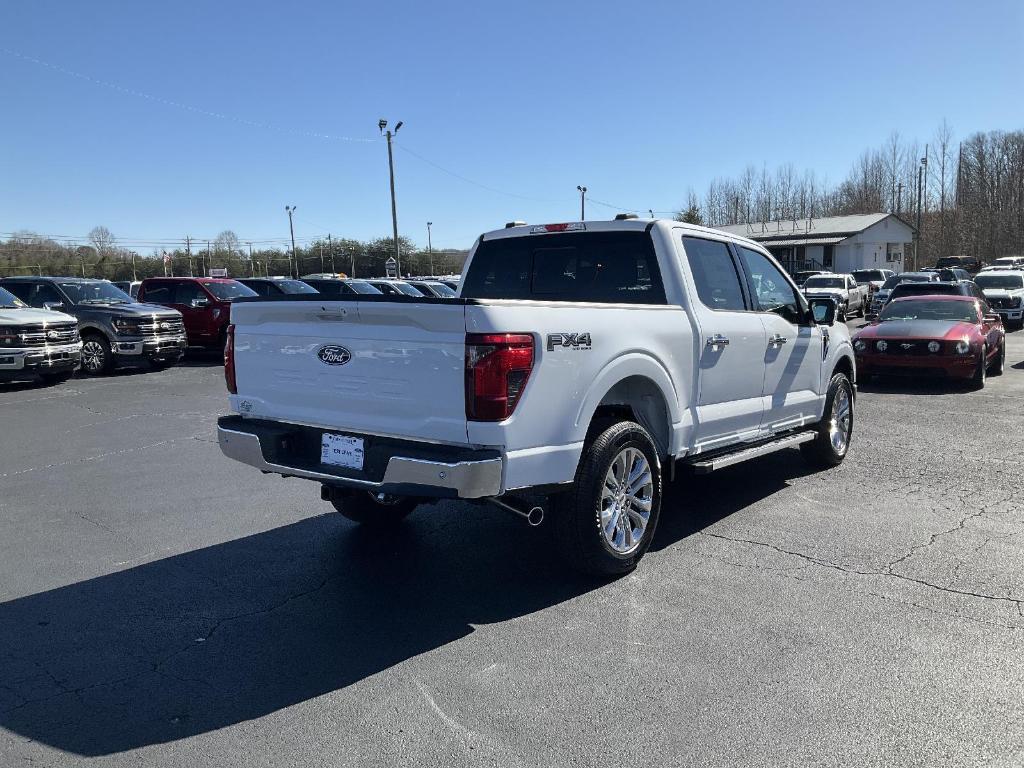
(463, 479)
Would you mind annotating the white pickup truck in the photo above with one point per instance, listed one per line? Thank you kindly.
(852, 297)
(579, 363)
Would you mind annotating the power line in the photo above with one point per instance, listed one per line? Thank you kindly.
(460, 177)
(180, 105)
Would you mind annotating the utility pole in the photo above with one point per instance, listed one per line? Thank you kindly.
(252, 269)
(430, 248)
(583, 198)
(290, 209)
(899, 198)
(188, 250)
(382, 124)
(921, 169)
(207, 260)
(330, 247)
(321, 258)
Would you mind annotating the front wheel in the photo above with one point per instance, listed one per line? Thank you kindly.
(605, 524)
(981, 371)
(377, 510)
(1000, 362)
(830, 445)
(96, 355)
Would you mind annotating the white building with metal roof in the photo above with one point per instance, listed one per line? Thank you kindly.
(837, 243)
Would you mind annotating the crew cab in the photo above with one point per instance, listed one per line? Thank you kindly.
(204, 303)
(115, 329)
(1004, 292)
(42, 342)
(847, 292)
(579, 364)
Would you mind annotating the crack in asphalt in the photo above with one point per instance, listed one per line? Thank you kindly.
(98, 456)
(1018, 602)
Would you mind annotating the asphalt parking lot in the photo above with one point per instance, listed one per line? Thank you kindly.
(161, 605)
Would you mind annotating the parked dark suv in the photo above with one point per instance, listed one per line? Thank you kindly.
(114, 327)
(276, 286)
(204, 303)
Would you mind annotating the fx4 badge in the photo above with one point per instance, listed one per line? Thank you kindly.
(568, 340)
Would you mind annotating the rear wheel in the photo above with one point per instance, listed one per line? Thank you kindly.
(96, 355)
(605, 524)
(376, 510)
(835, 429)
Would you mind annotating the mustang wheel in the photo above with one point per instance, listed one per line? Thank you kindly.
(1000, 362)
(978, 380)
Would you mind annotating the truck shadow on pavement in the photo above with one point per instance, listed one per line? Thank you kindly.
(217, 636)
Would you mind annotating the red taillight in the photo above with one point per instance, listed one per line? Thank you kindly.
(229, 361)
(498, 366)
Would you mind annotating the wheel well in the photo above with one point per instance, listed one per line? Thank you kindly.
(844, 366)
(635, 398)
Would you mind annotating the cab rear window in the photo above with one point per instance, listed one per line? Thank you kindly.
(605, 267)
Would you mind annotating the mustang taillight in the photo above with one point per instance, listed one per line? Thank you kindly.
(229, 361)
(498, 366)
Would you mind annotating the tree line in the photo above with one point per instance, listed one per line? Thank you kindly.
(968, 197)
(102, 256)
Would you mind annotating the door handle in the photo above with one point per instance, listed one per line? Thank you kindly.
(777, 340)
(718, 340)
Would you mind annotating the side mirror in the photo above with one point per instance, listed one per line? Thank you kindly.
(991, 319)
(200, 303)
(53, 305)
(825, 311)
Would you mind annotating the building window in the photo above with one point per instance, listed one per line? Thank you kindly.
(893, 252)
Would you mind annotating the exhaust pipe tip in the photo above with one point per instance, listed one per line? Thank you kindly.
(535, 516)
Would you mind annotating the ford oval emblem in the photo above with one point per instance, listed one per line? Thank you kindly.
(333, 355)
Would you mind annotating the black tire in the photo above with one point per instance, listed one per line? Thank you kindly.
(97, 358)
(375, 510)
(981, 371)
(58, 377)
(822, 452)
(579, 524)
(996, 369)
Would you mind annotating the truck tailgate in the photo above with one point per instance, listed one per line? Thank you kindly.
(392, 368)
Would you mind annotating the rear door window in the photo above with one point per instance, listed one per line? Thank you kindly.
(714, 272)
(606, 267)
(159, 293)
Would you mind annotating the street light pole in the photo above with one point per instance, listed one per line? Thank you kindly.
(430, 248)
(583, 199)
(383, 124)
(290, 209)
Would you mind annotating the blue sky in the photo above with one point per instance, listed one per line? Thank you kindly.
(528, 99)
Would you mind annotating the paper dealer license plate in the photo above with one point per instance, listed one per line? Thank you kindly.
(341, 451)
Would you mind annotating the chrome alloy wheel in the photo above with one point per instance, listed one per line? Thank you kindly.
(626, 498)
(840, 423)
(93, 356)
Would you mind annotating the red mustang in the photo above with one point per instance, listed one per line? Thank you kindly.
(932, 335)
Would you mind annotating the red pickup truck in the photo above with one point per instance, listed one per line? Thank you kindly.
(204, 303)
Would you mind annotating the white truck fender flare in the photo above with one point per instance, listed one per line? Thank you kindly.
(623, 367)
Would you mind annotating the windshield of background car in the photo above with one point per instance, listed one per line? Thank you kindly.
(361, 286)
(294, 286)
(407, 289)
(608, 267)
(825, 282)
(442, 290)
(922, 309)
(867, 275)
(99, 292)
(895, 280)
(993, 280)
(9, 301)
(229, 291)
